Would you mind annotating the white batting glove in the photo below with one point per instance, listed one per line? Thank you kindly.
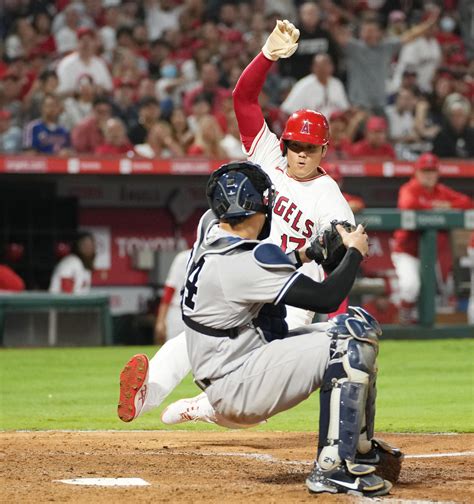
(282, 41)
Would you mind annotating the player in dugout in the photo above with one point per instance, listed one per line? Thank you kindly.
(250, 371)
(422, 192)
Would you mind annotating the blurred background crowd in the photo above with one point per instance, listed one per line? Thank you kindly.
(154, 78)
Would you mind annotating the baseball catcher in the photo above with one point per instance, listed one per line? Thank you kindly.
(249, 377)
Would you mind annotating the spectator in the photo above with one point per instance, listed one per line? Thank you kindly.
(422, 54)
(369, 58)
(421, 192)
(318, 91)
(11, 88)
(409, 81)
(73, 274)
(201, 107)
(108, 31)
(80, 105)
(140, 37)
(116, 141)
(207, 140)
(21, 40)
(452, 45)
(45, 43)
(146, 89)
(340, 143)
(180, 126)
(45, 135)
(10, 136)
(9, 280)
(89, 133)
(429, 112)
(160, 143)
(59, 20)
(148, 114)
(66, 37)
(258, 33)
(356, 203)
(169, 321)
(159, 51)
(314, 39)
(401, 122)
(124, 38)
(273, 115)
(83, 61)
(161, 16)
(456, 137)
(231, 143)
(375, 144)
(46, 83)
(126, 64)
(124, 100)
(170, 86)
(466, 23)
(208, 86)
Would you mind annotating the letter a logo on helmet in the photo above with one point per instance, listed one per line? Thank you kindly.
(306, 126)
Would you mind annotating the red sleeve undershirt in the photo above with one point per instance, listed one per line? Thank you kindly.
(168, 293)
(247, 109)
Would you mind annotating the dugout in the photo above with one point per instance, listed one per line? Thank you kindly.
(141, 211)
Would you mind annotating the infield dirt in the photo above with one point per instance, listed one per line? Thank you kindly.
(211, 467)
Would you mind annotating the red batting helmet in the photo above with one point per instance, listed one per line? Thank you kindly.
(306, 126)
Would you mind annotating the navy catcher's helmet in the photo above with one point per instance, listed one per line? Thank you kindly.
(240, 189)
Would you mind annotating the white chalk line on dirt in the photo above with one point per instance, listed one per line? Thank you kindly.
(264, 457)
(260, 457)
(183, 431)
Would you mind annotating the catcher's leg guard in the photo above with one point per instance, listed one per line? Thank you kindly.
(343, 399)
(344, 392)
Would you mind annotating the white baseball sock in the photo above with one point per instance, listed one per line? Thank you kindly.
(167, 369)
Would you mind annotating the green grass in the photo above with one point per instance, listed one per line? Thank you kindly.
(423, 386)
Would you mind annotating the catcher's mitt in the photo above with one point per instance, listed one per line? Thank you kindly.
(386, 459)
(327, 248)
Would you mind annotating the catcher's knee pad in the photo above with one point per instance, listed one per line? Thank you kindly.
(345, 388)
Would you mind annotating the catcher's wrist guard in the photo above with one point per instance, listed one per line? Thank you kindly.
(327, 249)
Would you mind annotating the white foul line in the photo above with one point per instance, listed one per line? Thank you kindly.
(265, 457)
(439, 455)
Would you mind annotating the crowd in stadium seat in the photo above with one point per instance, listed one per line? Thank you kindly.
(154, 78)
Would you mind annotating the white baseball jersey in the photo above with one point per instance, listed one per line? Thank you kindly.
(176, 274)
(70, 276)
(175, 279)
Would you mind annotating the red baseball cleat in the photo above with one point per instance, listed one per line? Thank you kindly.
(133, 388)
